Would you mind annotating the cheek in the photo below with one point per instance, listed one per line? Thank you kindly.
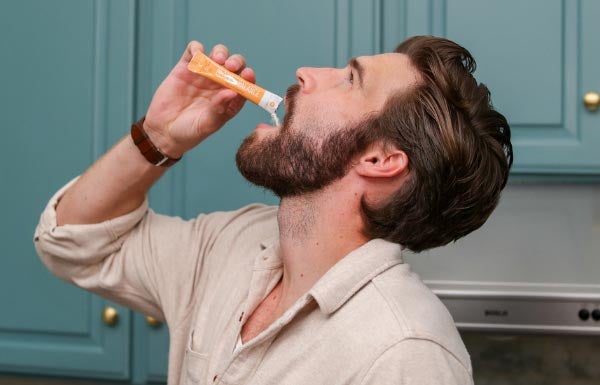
(319, 113)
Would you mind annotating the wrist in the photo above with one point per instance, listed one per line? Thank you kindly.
(162, 141)
(153, 146)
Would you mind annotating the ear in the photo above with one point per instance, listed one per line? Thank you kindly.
(377, 163)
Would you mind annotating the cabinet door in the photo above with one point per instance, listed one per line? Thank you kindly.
(538, 57)
(276, 37)
(66, 78)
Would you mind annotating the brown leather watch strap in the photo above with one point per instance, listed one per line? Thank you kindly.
(147, 148)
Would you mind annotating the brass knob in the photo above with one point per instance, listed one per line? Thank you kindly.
(591, 101)
(153, 322)
(110, 316)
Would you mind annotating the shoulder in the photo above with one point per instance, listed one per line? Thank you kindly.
(418, 313)
(251, 212)
(204, 230)
(416, 361)
(257, 220)
(390, 315)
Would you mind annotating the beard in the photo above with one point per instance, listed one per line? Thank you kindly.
(291, 163)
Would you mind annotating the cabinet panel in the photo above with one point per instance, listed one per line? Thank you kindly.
(519, 47)
(589, 77)
(58, 81)
(533, 55)
(150, 351)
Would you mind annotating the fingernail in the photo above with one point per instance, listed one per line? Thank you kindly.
(220, 56)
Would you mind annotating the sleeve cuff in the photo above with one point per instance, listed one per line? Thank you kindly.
(83, 239)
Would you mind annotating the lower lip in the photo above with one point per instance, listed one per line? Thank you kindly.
(264, 126)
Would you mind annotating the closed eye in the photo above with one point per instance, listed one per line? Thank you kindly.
(357, 66)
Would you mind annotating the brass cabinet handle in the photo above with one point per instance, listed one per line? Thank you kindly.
(110, 316)
(591, 101)
(153, 322)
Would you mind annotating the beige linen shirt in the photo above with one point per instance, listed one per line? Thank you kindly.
(368, 320)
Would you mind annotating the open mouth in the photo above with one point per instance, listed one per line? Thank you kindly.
(266, 127)
(275, 123)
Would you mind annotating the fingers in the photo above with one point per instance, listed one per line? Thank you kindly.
(219, 102)
(230, 104)
(219, 53)
(227, 101)
(235, 63)
(192, 47)
(248, 74)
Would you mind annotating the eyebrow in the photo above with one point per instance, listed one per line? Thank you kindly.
(359, 68)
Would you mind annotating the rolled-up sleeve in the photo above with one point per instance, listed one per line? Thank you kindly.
(142, 260)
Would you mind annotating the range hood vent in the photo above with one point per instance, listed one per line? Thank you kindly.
(527, 308)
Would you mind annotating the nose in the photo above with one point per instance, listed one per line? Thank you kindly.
(310, 78)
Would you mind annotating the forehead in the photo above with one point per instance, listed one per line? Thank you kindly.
(388, 73)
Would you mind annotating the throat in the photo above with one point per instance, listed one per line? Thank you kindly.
(296, 217)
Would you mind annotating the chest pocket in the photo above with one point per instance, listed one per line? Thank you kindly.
(195, 366)
(194, 372)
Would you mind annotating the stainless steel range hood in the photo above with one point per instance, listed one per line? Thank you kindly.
(513, 307)
(534, 267)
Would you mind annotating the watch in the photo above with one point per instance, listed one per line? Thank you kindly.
(152, 153)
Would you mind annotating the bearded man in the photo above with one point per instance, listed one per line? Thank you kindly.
(398, 150)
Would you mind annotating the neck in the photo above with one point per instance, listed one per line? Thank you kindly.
(316, 231)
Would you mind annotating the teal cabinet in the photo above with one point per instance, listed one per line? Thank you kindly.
(150, 351)
(66, 77)
(538, 57)
(76, 73)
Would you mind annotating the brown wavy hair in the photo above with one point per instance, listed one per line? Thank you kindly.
(458, 147)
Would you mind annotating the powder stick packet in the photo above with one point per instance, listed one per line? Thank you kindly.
(203, 65)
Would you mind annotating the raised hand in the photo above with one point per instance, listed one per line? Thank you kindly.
(187, 108)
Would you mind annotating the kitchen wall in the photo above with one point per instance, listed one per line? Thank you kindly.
(540, 233)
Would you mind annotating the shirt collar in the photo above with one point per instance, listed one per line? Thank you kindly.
(354, 271)
(269, 257)
(346, 277)
(266, 243)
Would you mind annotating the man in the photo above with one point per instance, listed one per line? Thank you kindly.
(396, 149)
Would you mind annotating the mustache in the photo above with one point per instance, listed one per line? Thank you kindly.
(292, 91)
(290, 103)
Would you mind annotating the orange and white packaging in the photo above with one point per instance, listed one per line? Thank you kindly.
(203, 65)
